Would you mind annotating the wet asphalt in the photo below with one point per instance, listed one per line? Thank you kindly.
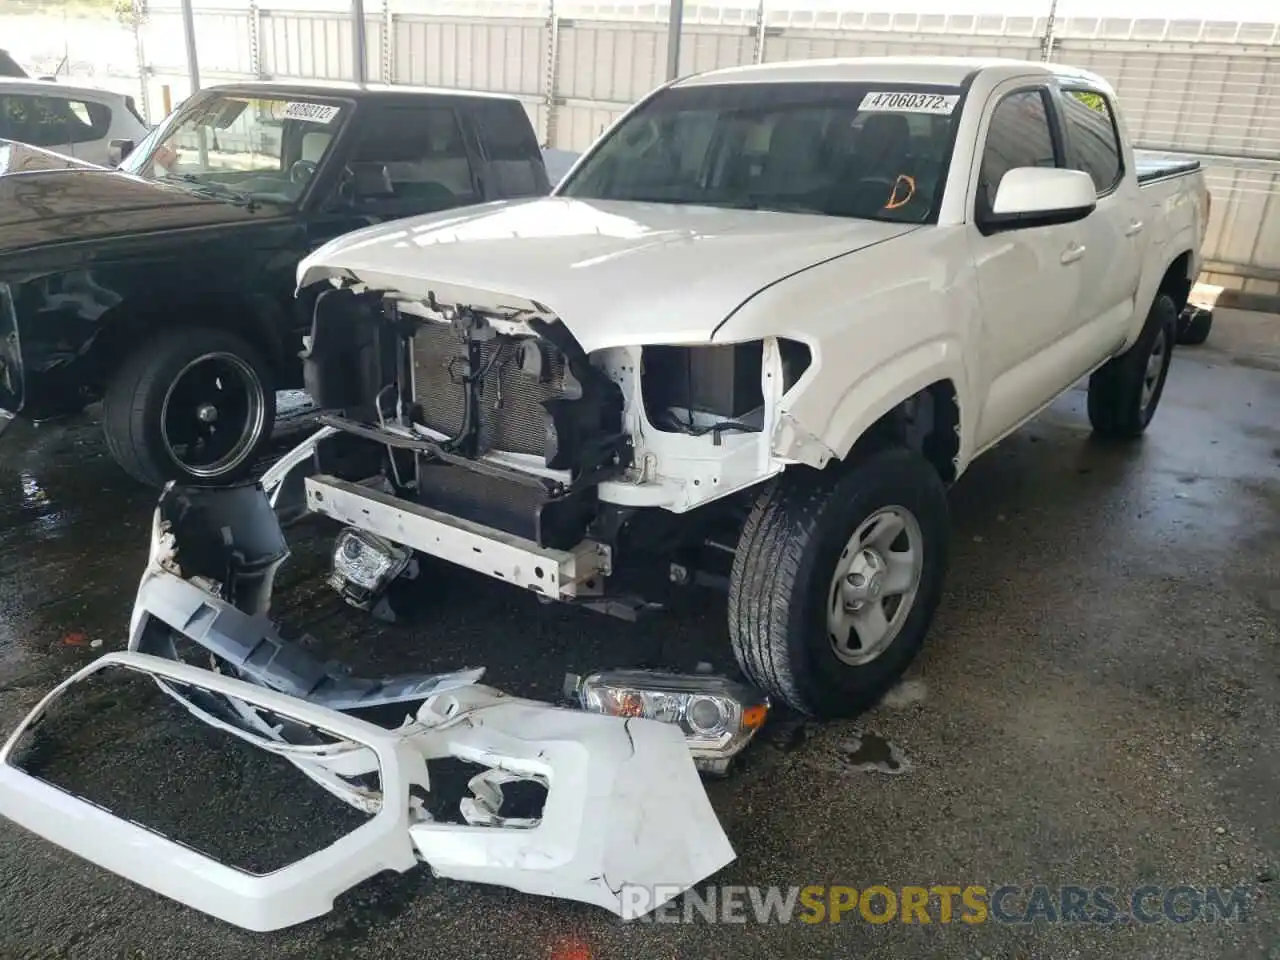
(1098, 704)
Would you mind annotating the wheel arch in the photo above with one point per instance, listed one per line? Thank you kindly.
(916, 401)
(258, 319)
(1178, 279)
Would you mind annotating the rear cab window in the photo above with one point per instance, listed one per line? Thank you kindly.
(510, 148)
(1093, 138)
(411, 159)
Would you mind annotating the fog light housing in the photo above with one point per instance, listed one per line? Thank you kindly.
(718, 717)
(364, 566)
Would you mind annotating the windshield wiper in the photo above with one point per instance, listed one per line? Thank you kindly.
(212, 189)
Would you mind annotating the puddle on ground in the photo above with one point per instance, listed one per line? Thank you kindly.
(868, 752)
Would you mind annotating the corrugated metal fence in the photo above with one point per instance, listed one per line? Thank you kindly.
(1207, 88)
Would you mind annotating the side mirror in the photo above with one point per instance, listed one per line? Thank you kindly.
(118, 151)
(1041, 197)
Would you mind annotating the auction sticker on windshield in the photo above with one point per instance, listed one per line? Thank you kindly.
(889, 101)
(315, 112)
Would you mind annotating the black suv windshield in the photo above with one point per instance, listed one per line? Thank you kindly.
(234, 146)
(837, 149)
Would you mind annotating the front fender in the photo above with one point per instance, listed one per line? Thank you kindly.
(864, 401)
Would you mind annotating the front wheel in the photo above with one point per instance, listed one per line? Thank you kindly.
(836, 579)
(196, 405)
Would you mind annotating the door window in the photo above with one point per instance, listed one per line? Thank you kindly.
(411, 160)
(515, 166)
(44, 121)
(1094, 140)
(1019, 136)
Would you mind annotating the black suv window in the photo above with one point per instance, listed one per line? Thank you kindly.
(1095, 142)
(411, 160)
(1019, 136)
(52, 121)
(514, 159)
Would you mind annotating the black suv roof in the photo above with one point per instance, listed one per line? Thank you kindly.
(351, 91)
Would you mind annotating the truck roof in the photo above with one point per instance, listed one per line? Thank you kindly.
(349, 90)
(947, 71)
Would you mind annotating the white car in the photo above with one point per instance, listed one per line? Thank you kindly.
(76, 121)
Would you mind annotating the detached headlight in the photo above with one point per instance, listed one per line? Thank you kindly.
(718, 717)
(364, 565)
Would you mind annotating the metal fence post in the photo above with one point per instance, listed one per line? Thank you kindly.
(388, 43)
(255, 40)
(1048, 40)
(359, 48)
(189, 29)
(675, 25)
(758, 56)
(139, 14)
(551, 78)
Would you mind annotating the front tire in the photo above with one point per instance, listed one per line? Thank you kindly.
(836, 579)
(1124, 392)
(196, 405)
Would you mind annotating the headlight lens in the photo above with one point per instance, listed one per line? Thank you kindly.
(364, 565)
(718, 717)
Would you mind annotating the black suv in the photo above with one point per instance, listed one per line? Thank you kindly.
(166, 287)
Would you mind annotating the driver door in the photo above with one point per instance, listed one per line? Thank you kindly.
(1030, 279)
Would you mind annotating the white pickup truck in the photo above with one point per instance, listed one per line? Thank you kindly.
(769, 316)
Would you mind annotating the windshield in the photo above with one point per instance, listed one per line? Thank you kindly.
(241, 147)
(837, 149)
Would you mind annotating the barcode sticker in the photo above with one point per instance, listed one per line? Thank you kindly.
(890, 101)
(315, 112)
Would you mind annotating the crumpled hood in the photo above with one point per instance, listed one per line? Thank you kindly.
(616, 273)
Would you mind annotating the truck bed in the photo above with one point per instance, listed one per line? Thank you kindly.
(1159, 166)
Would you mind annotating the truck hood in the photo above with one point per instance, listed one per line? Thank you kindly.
(41, 204)
(615, 273)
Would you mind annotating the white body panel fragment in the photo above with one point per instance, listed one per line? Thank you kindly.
(624, 805)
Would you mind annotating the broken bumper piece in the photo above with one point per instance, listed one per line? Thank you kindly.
(298, 892)
(624, 804)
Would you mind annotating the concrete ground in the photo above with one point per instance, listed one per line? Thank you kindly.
(1098, 704)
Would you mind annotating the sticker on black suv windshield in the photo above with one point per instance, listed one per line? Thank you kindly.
(315, 112)
(890, 101)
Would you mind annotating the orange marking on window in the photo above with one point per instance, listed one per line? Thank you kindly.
(903, 180)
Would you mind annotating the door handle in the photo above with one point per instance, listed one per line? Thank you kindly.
(1073, 253)
(1134, 228)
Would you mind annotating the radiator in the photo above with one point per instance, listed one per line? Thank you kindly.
(512, 418)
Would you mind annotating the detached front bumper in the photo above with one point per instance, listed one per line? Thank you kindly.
(298, 892)
(624, 804)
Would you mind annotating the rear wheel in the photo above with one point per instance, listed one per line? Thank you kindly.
(1194, 326)
(1124, 393)
(836, 579)
(194, 406)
